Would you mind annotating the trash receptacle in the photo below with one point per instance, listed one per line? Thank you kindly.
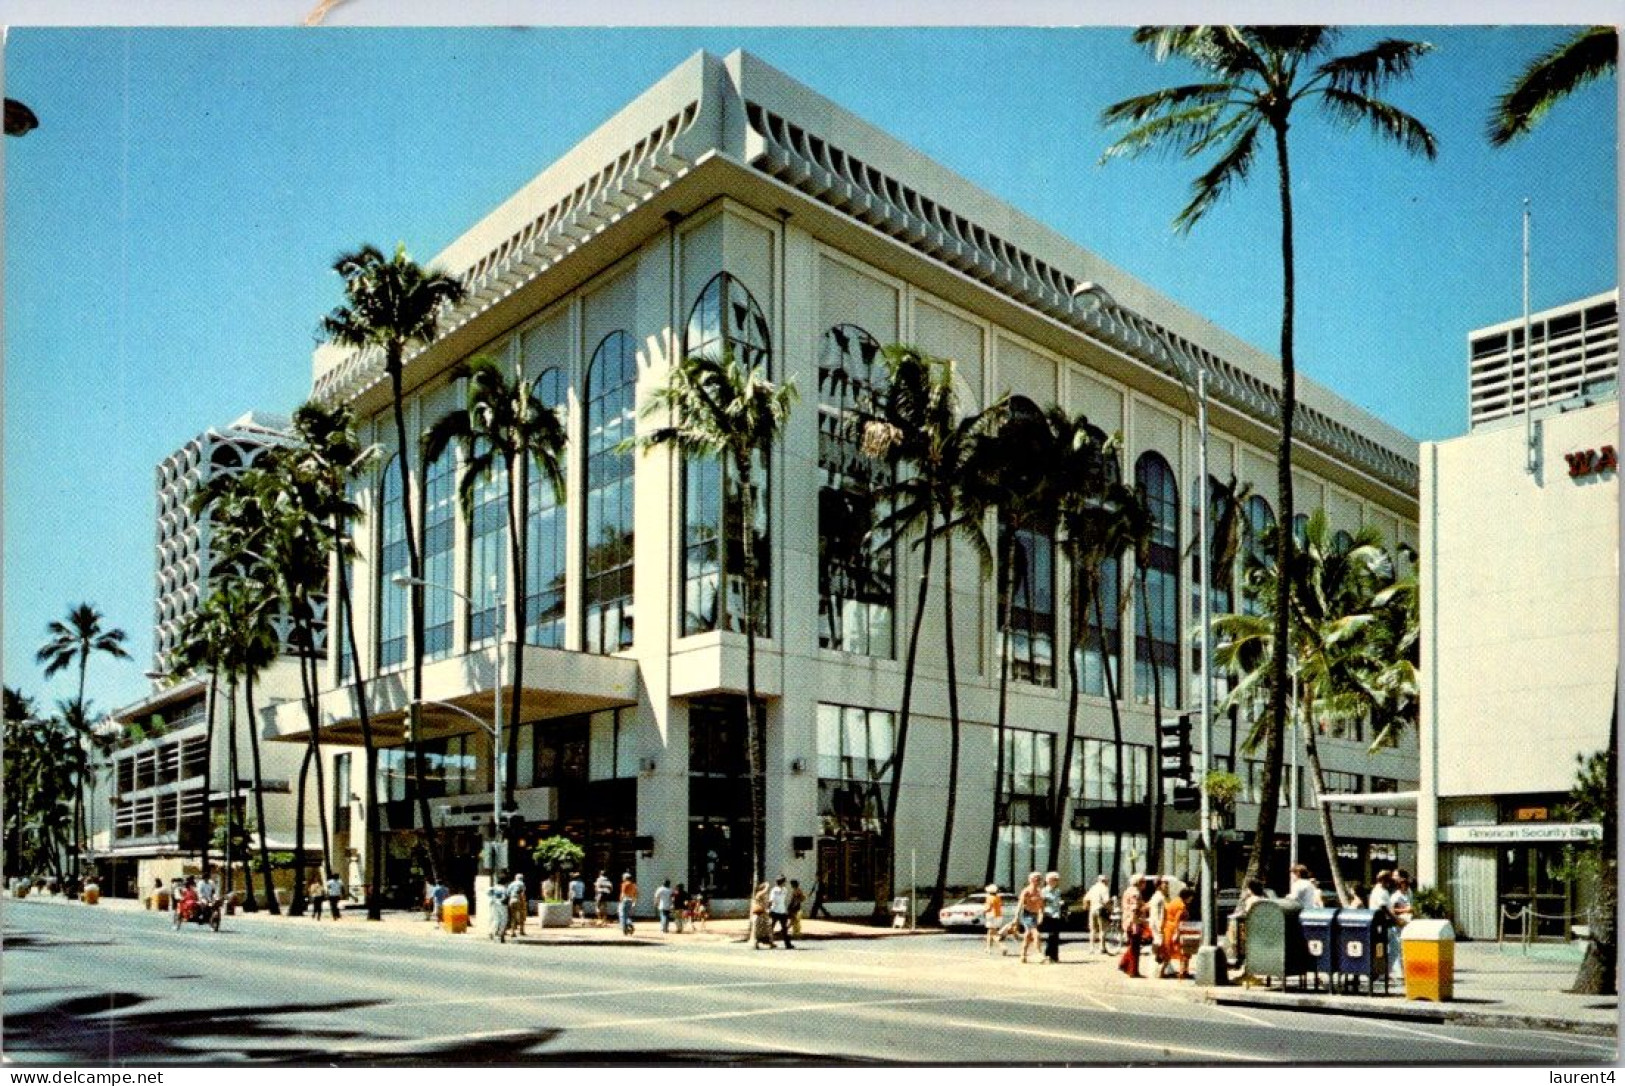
(1362, 946)
(454, 914)
(1275, 940)
(1321, 948)
(91, 894)
(1429, 947)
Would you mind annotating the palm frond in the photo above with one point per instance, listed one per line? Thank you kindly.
(1371, 69)
(1387, 121)
(1587, 56)
(1230, 168)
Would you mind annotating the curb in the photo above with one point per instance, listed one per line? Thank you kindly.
(1431, 1013)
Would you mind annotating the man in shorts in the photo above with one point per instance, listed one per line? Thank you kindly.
(1031, 906)
(601, 889)
(578, 896)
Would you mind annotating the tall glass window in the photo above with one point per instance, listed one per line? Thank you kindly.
(545, 537)
(439, 552)
(612, 378)
(725, 321)
(1258, 523)
(340, 638)
(392, 560)
(1032, 604)
(1024, 804)
(855, 587)
(1158, 648)
(718, 797)
(1221, 596)
(1102, 630)
(487, 553)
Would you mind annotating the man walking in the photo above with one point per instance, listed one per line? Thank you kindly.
(601, 889)
(778, 910)
(578, 897)
(663, 905)
(1054, 907)
(629, 901)
(1099, 900)
(518, 904)
(798, 898)
(335, 890)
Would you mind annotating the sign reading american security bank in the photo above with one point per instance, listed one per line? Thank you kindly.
(1516, 832)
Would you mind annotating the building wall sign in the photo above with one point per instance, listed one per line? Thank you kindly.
(1520, 833)
(1592, 461)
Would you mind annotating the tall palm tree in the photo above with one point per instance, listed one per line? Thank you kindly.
(1582, 58)
(925, 426)
(390, 304)
(504, 423)
(198, 650)
(1253, 79)
(76, 639)
(331, 457)
(716, 407)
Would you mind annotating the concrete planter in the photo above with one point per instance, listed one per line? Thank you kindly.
(553, 914)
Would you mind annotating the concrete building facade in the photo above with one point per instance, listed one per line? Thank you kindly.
(729, 206)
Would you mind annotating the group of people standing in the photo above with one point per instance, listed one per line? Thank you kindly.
(775, 911)
(1151, 913)
(1040, 910)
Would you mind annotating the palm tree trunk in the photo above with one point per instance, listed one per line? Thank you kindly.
(207, 834)
(308, 668)
(296, 906)
(938, 891)
(363, 711)
(889, 815)
(414, 562)
(518, 496)
(1006, 599)
(1599, 970)
(1328, 838)
(1260, 862)
(1153, 844)
(755, 729)
(1117, 727)
(231, 770)
(79, 778)
(1063, 783)
(259, 796)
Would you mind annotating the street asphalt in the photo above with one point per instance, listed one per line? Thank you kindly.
(99, 986)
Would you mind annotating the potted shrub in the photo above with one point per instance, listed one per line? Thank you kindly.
(557, 856)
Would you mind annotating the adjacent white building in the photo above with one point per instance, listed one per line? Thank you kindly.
(1520, 639)
(729, 206)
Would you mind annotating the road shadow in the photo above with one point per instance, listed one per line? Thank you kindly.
(106, 1029)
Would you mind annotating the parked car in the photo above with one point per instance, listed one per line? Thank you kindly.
(968, 912)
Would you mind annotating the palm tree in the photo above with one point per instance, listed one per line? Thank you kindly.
(198, 649)
(76, 639)
(1254, 78)
(330, 457)
(1588, 55)
(719, 408)
(924, 426)
(392, 303)
(505, 424)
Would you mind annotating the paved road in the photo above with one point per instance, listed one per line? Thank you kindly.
(99, 986)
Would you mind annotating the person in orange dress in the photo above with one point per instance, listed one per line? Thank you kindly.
(1173, 948)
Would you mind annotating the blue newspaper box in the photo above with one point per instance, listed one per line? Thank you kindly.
(1319, 942)
(1362, 945)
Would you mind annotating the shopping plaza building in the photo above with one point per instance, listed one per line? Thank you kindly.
(1520, 620)
(728, 207)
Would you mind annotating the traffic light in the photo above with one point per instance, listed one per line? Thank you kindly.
(1174, 748)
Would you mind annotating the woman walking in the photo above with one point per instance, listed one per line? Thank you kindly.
(1131, 905)
(1173, 948)
(761, 925)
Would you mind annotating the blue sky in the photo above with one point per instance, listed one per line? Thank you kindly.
(170, 226)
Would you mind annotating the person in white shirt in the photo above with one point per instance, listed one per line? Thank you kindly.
(1099, 899)
(1303, 889)
(1381, 891)
(663, 905)
(778, 910)
(206, 892)
(601, 889)
(518, 904)
(335, 890)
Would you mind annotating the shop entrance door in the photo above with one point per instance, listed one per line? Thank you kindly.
(1526, 877)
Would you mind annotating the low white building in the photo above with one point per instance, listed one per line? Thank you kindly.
(1520, 642)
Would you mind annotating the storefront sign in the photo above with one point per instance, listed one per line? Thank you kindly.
(1520, 832)
(1592, 461)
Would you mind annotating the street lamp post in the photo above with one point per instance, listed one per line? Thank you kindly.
(401, 580)
(1210, 967)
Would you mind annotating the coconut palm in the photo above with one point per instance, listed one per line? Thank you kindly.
(717, 407)
(390, 304)
(505, 425)
(76, 639)
(925, 427)
(1582, 58)
(1254, 77)
(198, 650)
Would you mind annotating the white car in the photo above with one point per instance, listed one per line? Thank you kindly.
(968, 912)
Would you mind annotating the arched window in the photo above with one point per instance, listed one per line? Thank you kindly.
(725, 321)
(1221, 599)
(1342, 542)
(392, 560)
(545, 537)
(1156, 650)
(1300, 529)
(1103, 619)
(612, 378)
(1257, 526)
(855, 588)
(439, 552)
(1030, 581)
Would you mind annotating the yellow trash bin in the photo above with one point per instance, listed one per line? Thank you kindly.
(1429, 949)
(454, 914)
(92, 893)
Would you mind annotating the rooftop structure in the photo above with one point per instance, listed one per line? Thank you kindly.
(1575, 360)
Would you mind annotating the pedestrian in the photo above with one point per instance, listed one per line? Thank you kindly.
(1031, 907)
(1173, 947)
(1156, 911)
(549, 889)
(798, 898)
(680, 905)
(761, 927)
(993, 915)
(518, 904)
(335, 890)
(578, 897)
(629, 901)
(778, 910)
(601, 889)
(1099, 900)
(1303, 889)
(437, 899)
(1399, 907)
(316, 895)
(699, 912)
(663, 899)
(1130, 961)
(496, 907)
(1054, 910)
